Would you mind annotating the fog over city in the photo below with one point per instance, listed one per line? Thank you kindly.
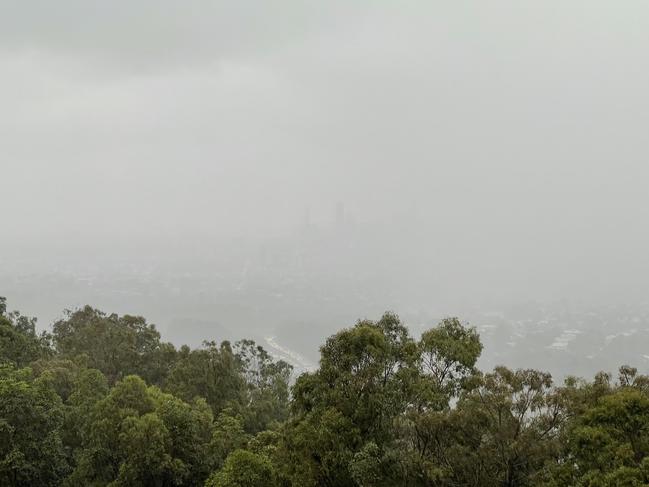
(279, 170)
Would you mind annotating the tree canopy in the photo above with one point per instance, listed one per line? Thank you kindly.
(103, 401)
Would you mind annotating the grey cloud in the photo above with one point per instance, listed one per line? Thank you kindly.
(505, 139)
(148, 35)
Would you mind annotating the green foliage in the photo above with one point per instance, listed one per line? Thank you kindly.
(363, 374)
(318, 449)
(365, 382)
(243, 469)
(31, 418)
(117, 346)
(513, 420)
(369, 415)
(138, 435)
(243, 379)
(608, 445)
(365, 467)
(19, 342)
(211, 372)
(382, 410)
(267, 386)
(447, 356)
(228, 436)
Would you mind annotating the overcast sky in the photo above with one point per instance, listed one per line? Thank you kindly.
(513, 134)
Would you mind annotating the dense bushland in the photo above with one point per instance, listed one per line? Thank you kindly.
(101, 400)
